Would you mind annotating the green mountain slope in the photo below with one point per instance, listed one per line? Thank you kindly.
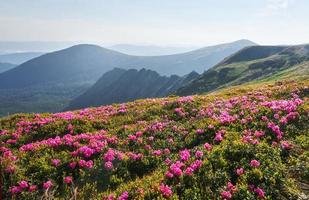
(250, 64)
(246, 142)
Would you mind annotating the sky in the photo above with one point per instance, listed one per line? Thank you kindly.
(158, 22)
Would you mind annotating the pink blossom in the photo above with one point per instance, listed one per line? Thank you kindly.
(211, 126)
(199, 131)
(166, 190)
(189, 171)
(207, 146)
(132, 137)
(240, 171)
(56, 162)
(157, 152)
(184, 155)
(260, 192)
(68, 179)
(226, 195)
(286, 145)
(47, 184)
(167, 151)
(254, 163)
(231, 187)
(218, 137)
(86, 164)
(108, 165)
(168, 174)
(72, 165)
(15, 190)
(109, 155)
(23, 184)
(196, 164)
(33, 188)
(199, 154)
(167, 161)
(10, 169)
(124, 196)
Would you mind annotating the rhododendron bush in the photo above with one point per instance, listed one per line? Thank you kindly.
(241, 143)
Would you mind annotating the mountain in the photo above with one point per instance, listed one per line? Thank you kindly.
(88, 62)
(19, 58)
(246, 142)
(251, 64)
(6, 66)
(119, 85)
(81, 63)
(54, 79)
(149, 50)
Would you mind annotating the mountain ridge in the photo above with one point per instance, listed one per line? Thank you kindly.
(245, 66)
(120, 85)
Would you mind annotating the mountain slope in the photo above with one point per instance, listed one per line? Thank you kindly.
(119, 85)
(82, 63)
(245, 142)
(6, 66)
(249, 64)
(19, 58)
(88, 62)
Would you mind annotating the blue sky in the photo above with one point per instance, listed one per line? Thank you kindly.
(160, 22)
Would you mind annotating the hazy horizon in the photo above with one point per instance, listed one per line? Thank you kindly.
(161, 23)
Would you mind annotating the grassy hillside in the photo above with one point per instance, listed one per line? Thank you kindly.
(240, 143)
(251, 64)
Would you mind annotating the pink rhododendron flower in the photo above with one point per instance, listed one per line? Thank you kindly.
(109, 155)
(207, 146)
(23, 184)
(199, 131)
(189, 171)
(108, 165)
(226, 195)
(184, 155)
(169, 174)
(47, 185)
(56, 162)
(86, 164)
(157, 152)
(124, 196)
(68, 179)
(286, 145)
(260, 192)
(10, 169)
(72, 165)
(240, 171)
(231, 187)
(15, 190)
(254, 163)
(218, 137)
(166, 190)
(32, 188)
(199, 154)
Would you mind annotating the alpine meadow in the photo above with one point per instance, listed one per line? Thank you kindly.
(133, 100)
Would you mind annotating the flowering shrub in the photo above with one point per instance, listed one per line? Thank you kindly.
(238, 144)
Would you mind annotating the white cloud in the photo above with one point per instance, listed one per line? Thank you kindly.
(275, 7)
